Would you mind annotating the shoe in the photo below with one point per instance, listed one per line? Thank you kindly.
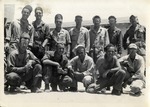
(47, 89)
(72, 89)
(116, 92)
(36, 90)
(136, 94)
(103, 90)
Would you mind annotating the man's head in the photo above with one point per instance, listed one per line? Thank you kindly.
(132, 49)
(112, 20)
(78, 20)
(24, 41)
(60, 48)
(110, 50)
(80, 51)
(96, 20)
(26, 12)
(38, 13)
(58, 20)
(134, 20)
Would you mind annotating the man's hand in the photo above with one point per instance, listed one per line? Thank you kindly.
(41, 49)
(28, 66)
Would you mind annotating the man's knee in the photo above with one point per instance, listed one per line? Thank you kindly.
(87, 80)
(38, 66)
(121, 72)
(13, 79)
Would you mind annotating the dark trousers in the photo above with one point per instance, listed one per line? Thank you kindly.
(31, 78)
(114, 80)
(50, 75)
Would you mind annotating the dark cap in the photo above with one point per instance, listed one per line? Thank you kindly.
(111, 17)
(28, 7)
(25, 35)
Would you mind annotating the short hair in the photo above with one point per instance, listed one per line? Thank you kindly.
(60, 45)
(38, 8)
(108, 46)
(96, 17)
(132, 17)
(58, 16)
(28, 7)
(113, 17)
(78, 16)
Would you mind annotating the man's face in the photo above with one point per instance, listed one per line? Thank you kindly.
(96, 22)
(60, 50)
(25, 13)
(110, 52)
(78, 21)
(24, 42)
(132, 52)
(58, 22)
(81, 53)
(112, 22)
(38, 14)
(133, 20)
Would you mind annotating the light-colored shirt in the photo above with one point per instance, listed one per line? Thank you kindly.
(99, 39)
(60, 37)
(80, 37)
(16, 28)
(137, 66)
(87, 67)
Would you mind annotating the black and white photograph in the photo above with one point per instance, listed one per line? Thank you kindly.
(75, 53)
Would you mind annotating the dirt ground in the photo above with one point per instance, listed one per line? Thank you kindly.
(73, 99)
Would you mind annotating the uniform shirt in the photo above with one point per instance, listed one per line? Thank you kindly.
(50, 55)
(16, 60)
(102, 65)
(134, 34)
(86, 67)
(17, 28)
(99, 39)
(137, 66)
(41, 32)
(115, 38)
(80, 38)
(60, 37)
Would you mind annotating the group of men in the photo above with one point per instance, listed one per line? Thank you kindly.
(92, 57)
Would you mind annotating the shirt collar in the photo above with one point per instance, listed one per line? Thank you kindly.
(41, 23)
(99, 30)
(75, 29)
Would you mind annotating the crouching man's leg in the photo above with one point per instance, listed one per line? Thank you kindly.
(47, 72)
(87, 80)
(118, 79)
(14, 80)
(32, 78)
(136, 87)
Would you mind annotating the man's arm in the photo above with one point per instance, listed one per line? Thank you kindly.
(87, 41)
(68, 41)
(120, 37)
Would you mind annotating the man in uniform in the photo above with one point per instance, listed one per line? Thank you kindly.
(41, 34)
(79, 36)
(133, 65)
(115, 35)
(17, 28)
(23, 66)
(98, 39)
(60, 35)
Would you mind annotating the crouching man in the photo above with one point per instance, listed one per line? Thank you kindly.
(81, 68)
(133, 65)
(110, 73)
(23, 66)
(55, 69)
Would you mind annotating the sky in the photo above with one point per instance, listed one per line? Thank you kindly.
(87, 8)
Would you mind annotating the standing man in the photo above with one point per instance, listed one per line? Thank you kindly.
(60, 35)
(81, 68)
(41, 34)
(133, 65)
(17, 28)
(136, 32)
(79, 36)
(56, 69)
(23, 66)
(110, 73)
(115, 35)
(98, 39)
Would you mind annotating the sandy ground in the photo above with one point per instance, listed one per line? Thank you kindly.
(73, 99)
